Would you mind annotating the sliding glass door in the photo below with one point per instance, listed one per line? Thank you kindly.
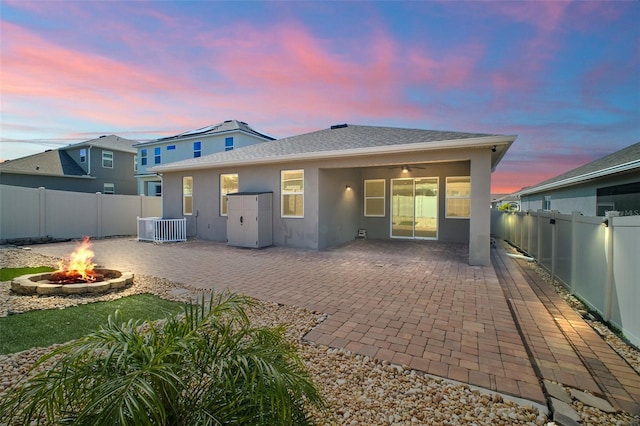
(414, 208)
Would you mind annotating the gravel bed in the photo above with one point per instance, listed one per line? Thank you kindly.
(359, 390)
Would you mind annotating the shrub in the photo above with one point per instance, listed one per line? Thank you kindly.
(205, 366)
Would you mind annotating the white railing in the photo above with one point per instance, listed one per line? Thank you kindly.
(161, 230)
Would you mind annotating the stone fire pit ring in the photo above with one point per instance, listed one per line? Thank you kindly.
(39, 284)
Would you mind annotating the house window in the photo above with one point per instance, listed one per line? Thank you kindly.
(109, 188)
(171, 147)
(228, 185)
(135, 163)
(107, 159)
(83, 155)
(187, 195)
(546, 203)
(157, 155)
(228, 143)
(197, 149)
(458, 203)
(374, 201)
(292, 186)
(143, 157)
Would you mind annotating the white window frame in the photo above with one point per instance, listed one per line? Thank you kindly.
(456, 197)
(546, 203)
(223, 193)
(368, 197)
(106, 157)
(284, 192)
(185, 196)
(83, 155)
(135, 163)
(111, 188)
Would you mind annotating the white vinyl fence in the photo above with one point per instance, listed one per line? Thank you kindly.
(596, 258)
(39, 213)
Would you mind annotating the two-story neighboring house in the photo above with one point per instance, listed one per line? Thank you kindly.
(221, 137)
(105, 164)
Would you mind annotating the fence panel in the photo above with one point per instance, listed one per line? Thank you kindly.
(70, 214)
(546, 243)
(118, 215)
(564, 249)
(625, 296)
(19, 209)
(591, 268)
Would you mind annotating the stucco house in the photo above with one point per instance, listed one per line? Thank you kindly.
(105, 164)
(611, 183)
(330, 185)
(225, 136)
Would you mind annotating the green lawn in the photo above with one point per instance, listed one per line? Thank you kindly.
(45, 327)
(7, 274)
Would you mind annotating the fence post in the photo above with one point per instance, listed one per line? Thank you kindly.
(42, 211)
(98, 214)
(554, 244)
(574, 249)
(539, 253)
(608, 294)
(529, 232)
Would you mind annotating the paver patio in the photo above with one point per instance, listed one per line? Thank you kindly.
(413, 303)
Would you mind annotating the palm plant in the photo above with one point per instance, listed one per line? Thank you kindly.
(205, 366)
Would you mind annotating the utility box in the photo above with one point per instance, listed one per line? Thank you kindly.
(250, 219)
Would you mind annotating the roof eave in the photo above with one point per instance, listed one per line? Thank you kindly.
(620, 168)
(478, 142)
(18, 172)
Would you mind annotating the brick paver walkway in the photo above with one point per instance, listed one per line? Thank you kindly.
(413, 303)
(563, 346)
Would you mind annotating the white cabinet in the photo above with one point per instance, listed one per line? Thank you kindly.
(249, 219)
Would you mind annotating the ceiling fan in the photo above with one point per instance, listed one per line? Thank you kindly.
(405, 168)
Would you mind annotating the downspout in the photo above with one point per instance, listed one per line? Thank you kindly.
(89, 161)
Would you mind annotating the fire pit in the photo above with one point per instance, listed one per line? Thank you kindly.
(77, 276)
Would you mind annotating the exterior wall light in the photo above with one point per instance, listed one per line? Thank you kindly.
(348, 187)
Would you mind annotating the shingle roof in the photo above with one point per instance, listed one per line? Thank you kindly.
(337, 139)
(113, 142)
(623, 160)
(224, 127)
(48, 163)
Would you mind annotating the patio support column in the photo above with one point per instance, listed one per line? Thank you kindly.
(480, 221)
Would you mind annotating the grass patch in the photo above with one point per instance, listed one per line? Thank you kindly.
(7, 274)
(43, 328)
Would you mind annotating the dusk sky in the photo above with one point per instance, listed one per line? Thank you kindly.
(563, 76)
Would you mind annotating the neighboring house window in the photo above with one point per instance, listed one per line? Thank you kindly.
(197, 149)
(107, 159)
(109, 188)
(135, 163)
(171, 147)
(228, 185)
(157, 155)
(228, 143)
(187, 195)
(374, 201)
(143, 157)
(292, 186)
(83, 155)
(458, 203)
(546, 203)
